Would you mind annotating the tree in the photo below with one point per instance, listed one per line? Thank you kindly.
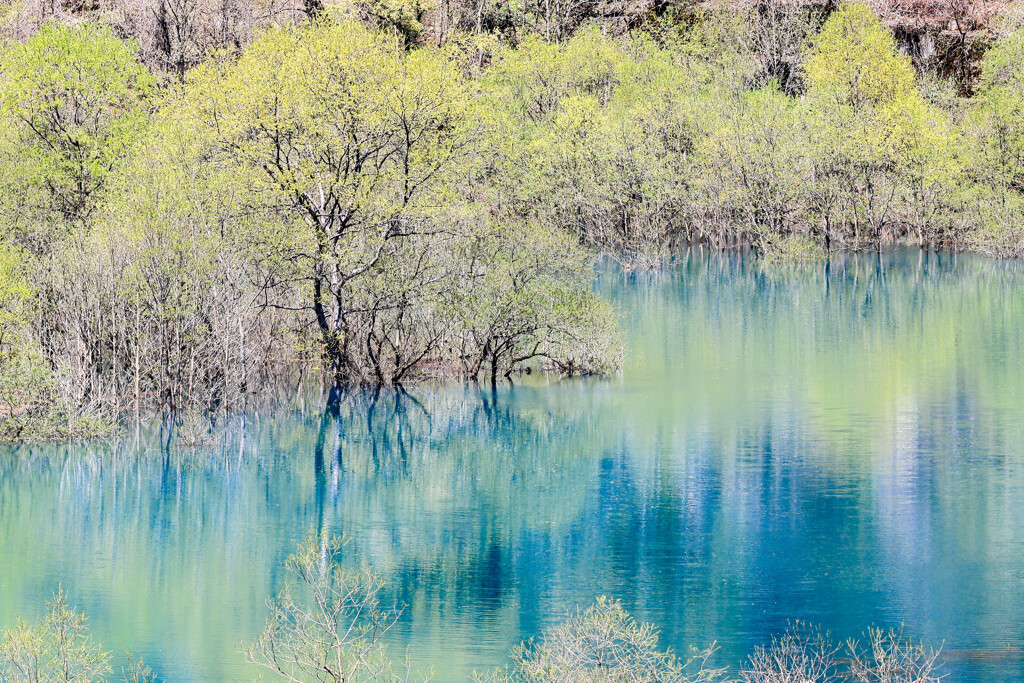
(530, 297)
(1002, 111)
(601, 644)
(855, 62)
(806, 653)
(73, 102)
(594, 138)
(802, 653)
(345, 140)
(882, 154)
(890, 655)
(58, 649)
(777, 33)
(996, 128)
(23, 378)
(755, 167)
(330, 626)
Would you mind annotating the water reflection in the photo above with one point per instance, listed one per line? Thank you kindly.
(838, 442)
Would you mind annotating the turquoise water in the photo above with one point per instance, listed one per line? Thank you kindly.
(841, 443)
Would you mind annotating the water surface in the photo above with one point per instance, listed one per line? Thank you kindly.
(840, 442)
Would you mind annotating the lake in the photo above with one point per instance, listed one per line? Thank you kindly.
(840, 442)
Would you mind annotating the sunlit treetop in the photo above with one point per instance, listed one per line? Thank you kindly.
(70, 100)
(855, 60)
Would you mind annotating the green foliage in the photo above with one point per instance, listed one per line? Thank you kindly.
(998, 136)
(534, 78)
(1002, 100)
(57, 649)
(754, 167)
(531, 299)
(337, 193)
(855, 61)
(71, 101)
(598, 138)
(15, 292)
(310, 191)
(399, 17)
(792, 249)
(884, 158)
(31, 407)
(636, 147)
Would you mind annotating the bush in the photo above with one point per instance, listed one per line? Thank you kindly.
(601, 644)
(330, 624)
(59, 649)
(805, 654)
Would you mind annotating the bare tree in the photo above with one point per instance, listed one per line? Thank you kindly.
(806, 654)
(777, 37)
(602, 644)
(892, 657)
(330, 625)
(803, 654)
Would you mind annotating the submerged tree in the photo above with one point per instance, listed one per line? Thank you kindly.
(344, 137)
(806, 654)
(329, 626)
(890, 655)
(602, 644)
(803, 653)
(57, 649)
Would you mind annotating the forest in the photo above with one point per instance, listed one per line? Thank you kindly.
(201, 199)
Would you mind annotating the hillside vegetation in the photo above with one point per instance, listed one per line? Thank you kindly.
(384, 192)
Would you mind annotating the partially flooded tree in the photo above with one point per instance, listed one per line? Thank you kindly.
(602, 644)
(57, 649)
(347, 140)
(32, 403)
(804, 653)
(890, 656)
(328, 625)
(529, 299)
(360, 161)
(884, 167)
(998, 132)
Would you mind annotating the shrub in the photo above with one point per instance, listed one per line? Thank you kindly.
(330, 625)
(806, 654)
(601, 644)
(56, 649)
